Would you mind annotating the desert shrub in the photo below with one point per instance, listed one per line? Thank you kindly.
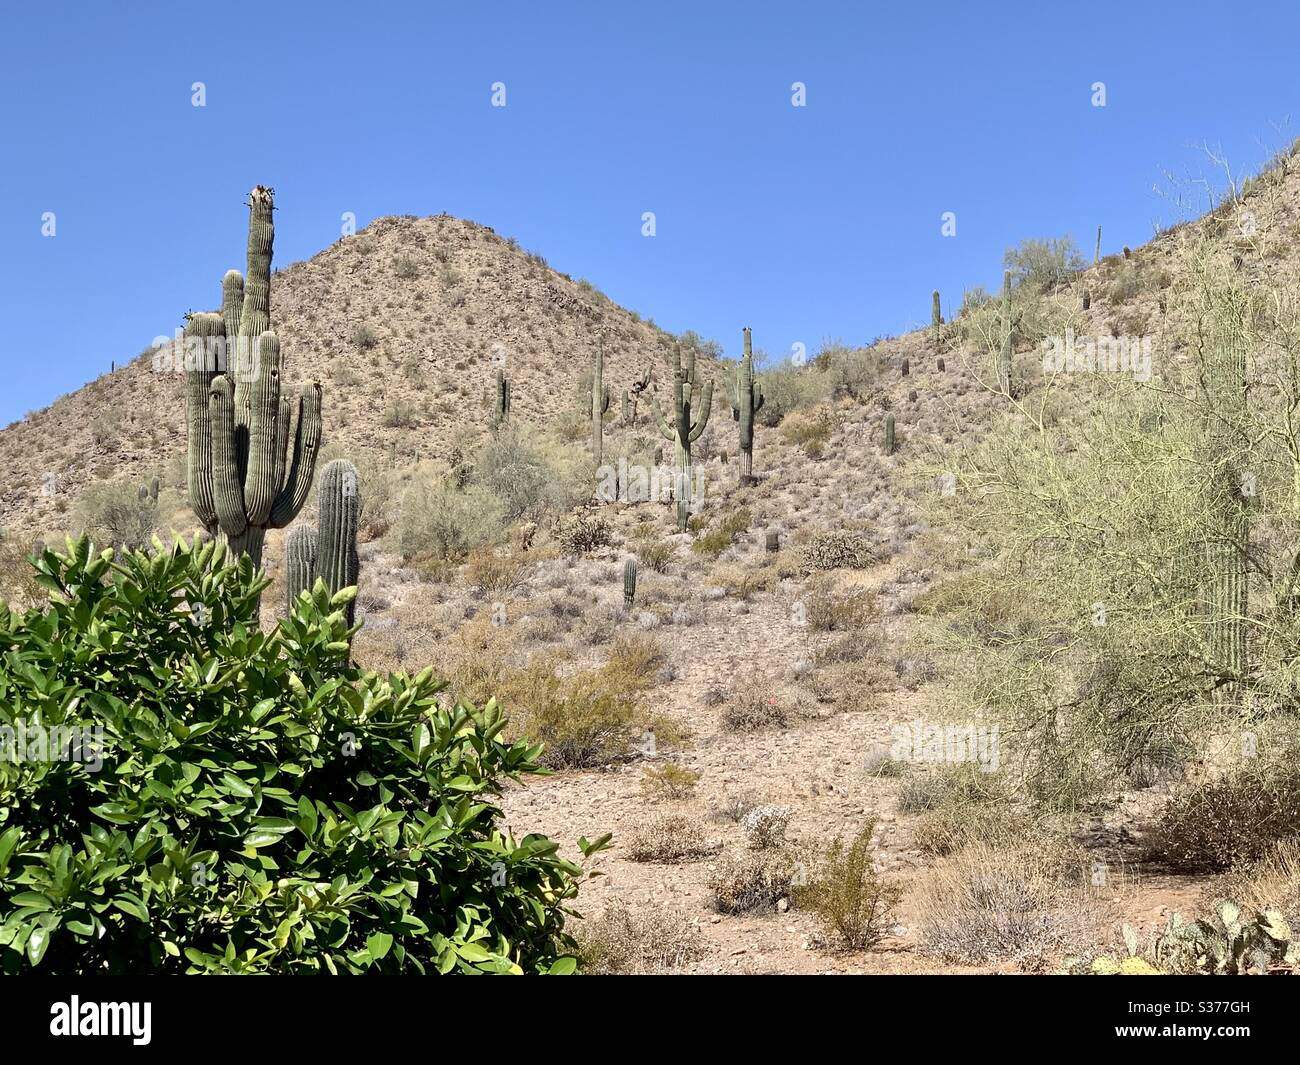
(788, 388)
(582, 533)
(655, 554)
(829, 610)
(837, 549)
(529, 484)
(262, 806)
(668, 782)
(960, 786)
(847, 894)
(809, 430)
(406, 268)
(750, 881)
(744, 582)
(1270, 883)
(723, 534)
(364, 338)
(754, 709)
(635, 661)
(623, 942)
(440, 522)
(973, 299)
(18, 584)
(990, 904)
(765, 825)
(1227, 822)
(494, 572)
(670, 839)
(114, 514)
(1043, 264)
(851, 372)
(400, 414)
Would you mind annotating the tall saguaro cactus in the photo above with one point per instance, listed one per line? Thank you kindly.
(936, 316)
(746, 401)
(688, 422)
(329, 554)
(243, 479)
(598, 404)
(501, 409)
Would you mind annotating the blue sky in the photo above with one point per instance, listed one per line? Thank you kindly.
(805, 223)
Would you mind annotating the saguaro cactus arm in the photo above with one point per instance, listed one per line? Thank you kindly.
(306, 444)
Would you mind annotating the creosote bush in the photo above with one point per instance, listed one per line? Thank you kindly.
(847, 894)
(249, 802)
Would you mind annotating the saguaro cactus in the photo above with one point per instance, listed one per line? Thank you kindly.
(907, 367)
(746, 401)
(242, 479)
(634, 393)
(890, 443)
(627, 408)
(1008, 328)
(689, 421)
(599, 404)
(501, 409)
(936, 317)
(329, 554)
(629, 583)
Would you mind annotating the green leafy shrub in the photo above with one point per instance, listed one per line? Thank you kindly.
(260, 805)
(1043, 264)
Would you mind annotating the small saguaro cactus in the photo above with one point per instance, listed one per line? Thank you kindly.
(936, 315)
(1008, 328)
(772, 544)
(688, 422)
(629, 583)
(501, 407)
(1087, 299)
(598, 403)
(329, 554)
(242, 477)
(941, 366)
(149, 491)
(891, 443)
(907, 367)
(627, 408)
(746, 401)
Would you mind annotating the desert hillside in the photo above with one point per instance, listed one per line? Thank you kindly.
(403, 324)
(740, 709)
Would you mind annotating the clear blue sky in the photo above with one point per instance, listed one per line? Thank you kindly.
(806, 223)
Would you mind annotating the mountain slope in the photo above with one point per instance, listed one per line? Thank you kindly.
(441, 299)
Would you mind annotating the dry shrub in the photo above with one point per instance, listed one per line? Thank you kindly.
(723, 534)
(809, 430)
(494, 572)
(581, 534)
(635, 661)
(653, 553)
(754, 709)
(995, 904)
(847, 894)
(439, 522)
(668, 782)
(621, 942)
(752, 880)
(828, 610)
(838, 549)
(742, 582)
(670, 839)
(1272, 882)
(1227, 822)
(18, 585)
